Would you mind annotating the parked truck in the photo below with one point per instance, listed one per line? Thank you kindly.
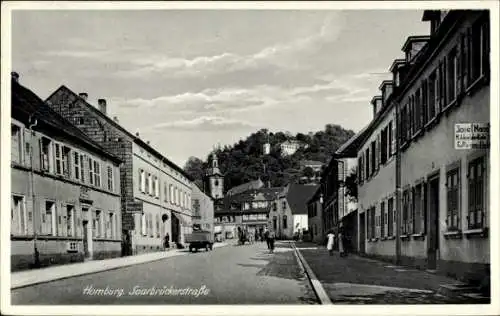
(200, 239)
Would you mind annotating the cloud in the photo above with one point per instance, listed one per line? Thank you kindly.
(206, 123)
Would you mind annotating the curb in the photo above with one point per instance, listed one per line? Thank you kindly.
(103, 269)
(316, 285)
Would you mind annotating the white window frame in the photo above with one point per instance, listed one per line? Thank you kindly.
(142, 180)
(20, 142)
(75, 156)
(71, 218)
(45, 226)
(21, 216)
(157, 188)
(172, 194)
(58, 158)
(97, 173)
(66, 161)
(150, 184)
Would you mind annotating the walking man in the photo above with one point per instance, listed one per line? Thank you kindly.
(272, 237)
(166, 241)
(266, 237)
(331, 241)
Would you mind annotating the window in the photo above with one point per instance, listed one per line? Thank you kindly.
(45, 145)
(18, 220)
(157, 225)
(373, 152)
(58, 158)
(382, 219)
(390, 140)
(418, 111)
(479, 49)
(70, 220)
(16, 143)
(383, 146)
(110, 179)
(76, 164)
(66, 161)
(48, 219)
(431, 104)
(172, 199)
(154, 186)
(82, 168)
(97, 173)
(453, 195)
(418, 209)
(147, 184)
(424, 99)
(111, 228)
(367, 163)
(442, 84)
(285, 222)
(142, 180)
(275, 219)
(373, 224)
(405, 223)
(452, 79)
(91, 171)
(97, 224)
(390, 217)
(143, 224)
(165, 192)
(477, 198)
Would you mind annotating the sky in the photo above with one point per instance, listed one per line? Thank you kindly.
(187, 80)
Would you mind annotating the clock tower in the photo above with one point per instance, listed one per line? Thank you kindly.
(215, 179)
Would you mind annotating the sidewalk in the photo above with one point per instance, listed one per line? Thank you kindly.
(358, 280)
(37, 276)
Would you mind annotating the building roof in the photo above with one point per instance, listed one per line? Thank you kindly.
(136, 139)
(414, 38)
(25, 103)
(298, 196)
(232, 203)
(256, 184)
(349, 149)
(396, 64)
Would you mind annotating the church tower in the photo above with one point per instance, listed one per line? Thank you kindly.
(215, 179)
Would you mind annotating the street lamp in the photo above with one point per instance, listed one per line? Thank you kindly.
(32, 123)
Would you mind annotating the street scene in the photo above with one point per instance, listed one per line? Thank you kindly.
(298, 157)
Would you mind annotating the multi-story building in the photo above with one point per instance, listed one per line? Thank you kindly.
(65, 202)
(247, 210)
(328, 196)
(203, 210)
(315, 217)
(156, 193)
(425, 189)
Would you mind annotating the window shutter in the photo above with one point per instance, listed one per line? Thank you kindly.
(423, 207)
(40, 145)
(378, 152)
(362, 168)
(411, 211)
(393, 137)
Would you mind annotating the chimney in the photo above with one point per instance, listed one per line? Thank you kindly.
(102, 105)
(15, 76)
(137, 134)
(115, 118)
(147, 142)
(83, 95)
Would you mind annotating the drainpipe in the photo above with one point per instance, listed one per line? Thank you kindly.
(32, 189)
(398, 186)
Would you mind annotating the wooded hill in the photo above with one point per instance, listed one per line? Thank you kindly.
(245, 161)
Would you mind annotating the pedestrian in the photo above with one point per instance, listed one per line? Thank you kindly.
(331, 240)
(272, 237)
(166, 241)
(266, 237)
(341, 243)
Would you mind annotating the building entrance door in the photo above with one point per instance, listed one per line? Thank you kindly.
(86, 252)
(433, 242)
(362, 230)
(175, 227)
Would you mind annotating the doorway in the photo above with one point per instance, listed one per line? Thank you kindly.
(175, 227)
(362, 230)
(433, 243)
(86, 252)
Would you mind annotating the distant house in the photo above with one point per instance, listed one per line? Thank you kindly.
(289, 147)
(292, 215)
(203, 209)
(314, 165)
(248, 210)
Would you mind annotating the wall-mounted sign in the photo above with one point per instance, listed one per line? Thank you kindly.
(472, 135)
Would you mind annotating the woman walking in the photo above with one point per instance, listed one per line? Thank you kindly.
(272, 236)
(331, 240)
(341, 244)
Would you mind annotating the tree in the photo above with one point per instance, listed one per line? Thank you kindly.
(195, 168)
(351, 184)
(308, 172)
